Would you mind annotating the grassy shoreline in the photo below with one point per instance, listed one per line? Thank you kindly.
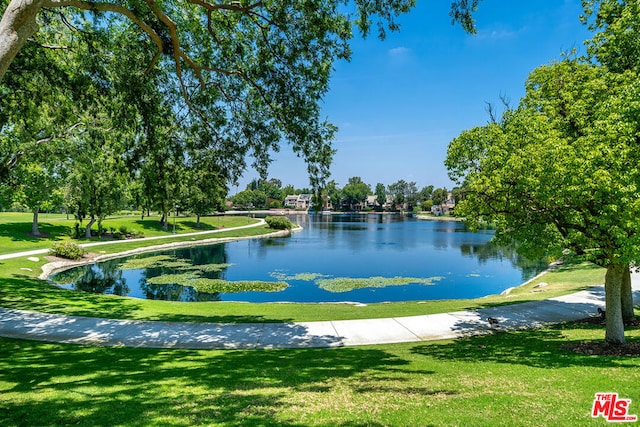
(20, 287)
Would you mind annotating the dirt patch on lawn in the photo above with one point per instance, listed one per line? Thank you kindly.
(599, 348)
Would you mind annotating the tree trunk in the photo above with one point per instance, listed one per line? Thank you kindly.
(87, 233)
(626, 297)
(34, 225)
(165, 221)
(198, 221)
(614, 277)
(18, 23)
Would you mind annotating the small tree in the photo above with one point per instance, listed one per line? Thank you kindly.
(397, 192)
(279, 222)
(35, 187)
(439, 196)
(381, 194)
(355, 192)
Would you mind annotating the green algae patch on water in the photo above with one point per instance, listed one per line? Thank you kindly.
(304, 277)
(346, 284)
(203, 284)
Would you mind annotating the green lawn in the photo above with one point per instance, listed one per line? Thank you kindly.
(523, 378)
(15, 228)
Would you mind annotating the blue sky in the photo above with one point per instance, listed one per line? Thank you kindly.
(399, 102)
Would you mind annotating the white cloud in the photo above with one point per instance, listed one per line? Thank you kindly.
(499, 33)
(400, 56)
(399, 52)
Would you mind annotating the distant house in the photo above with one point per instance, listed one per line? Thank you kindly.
(446, 208)
(290, 201)
(372, 202)
(298, 201)
(388, 203)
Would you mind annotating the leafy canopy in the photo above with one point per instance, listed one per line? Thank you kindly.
(560, 171)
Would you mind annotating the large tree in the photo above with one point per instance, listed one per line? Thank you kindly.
(253, 72)
(97, 178)
(561, 172)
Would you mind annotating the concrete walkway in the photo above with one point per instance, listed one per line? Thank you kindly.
(132, 333)
(114, 242)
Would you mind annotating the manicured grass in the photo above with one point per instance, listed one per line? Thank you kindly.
(15, 228)
(521, 378)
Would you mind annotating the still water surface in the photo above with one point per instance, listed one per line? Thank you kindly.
(463, 264)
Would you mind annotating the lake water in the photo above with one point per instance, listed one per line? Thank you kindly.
(395, 258)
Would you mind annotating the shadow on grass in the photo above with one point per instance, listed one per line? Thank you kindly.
(193, 226)
(51, 384)
(182, 226)
(572, 265)
(539, 348)
(20, 231)
(155, 225)
(26, 293)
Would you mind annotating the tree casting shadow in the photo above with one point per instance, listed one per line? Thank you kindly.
(540, 348)
(118, 386)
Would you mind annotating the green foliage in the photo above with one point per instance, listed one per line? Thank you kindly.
(355, 192)
(402, 193)
(223, 286)
(250, 199)
(381, 194)
(616, 23)
(561, 171)
(144, 262)
(204, 284)
(275, 204)
(427, 205)
(346, 284)
(67, 249)
(305, 277)
(279, 222)
(439, 196)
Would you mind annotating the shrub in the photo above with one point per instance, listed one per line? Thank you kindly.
(67, 249)
(279, 222)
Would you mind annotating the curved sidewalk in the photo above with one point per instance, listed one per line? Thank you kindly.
(114, 242)
(133, 333)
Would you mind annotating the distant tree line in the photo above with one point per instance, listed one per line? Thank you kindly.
(355, 195)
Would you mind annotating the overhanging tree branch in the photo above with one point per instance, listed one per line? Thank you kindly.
(114, 8)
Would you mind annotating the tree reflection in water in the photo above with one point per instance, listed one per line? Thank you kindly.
(176, 292)
(104, 279)
(491, 251)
